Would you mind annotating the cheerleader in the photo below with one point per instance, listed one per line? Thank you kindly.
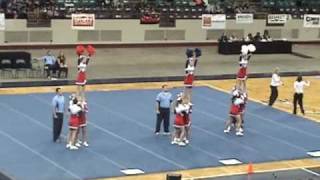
(244, 98)
(235, 115)
(197, 54)
(188, 83)
(83, 124)
(242, 75)
(81, 78)
(190, 59)
(246, 52)
(74, 109)
(179, 122)
(187, 121)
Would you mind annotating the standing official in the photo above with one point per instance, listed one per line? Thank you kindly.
(164, 100)
(298, 95)
(275, 82)
(58, 110)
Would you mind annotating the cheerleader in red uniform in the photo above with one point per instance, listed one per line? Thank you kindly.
(74, 120)
(235, 115)
(187, 122)
(179, 122)
(83, 123)
(242, 76)
(81, 78)
(246, 52)
(244, 98)
(188, 83)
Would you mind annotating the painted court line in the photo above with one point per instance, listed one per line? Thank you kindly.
(121, 115)
(134, 144)
(226, 139)
(210, 133)
(254, 131)
(203, 130)
(39, 154)
(248, 113)
(231, 174)
(215, 135)
(149, 128)
(50, 129)
(261, 117)
(220, 136)
(311, 172)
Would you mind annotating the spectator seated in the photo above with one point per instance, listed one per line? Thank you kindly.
(50, 64)
(62, 65)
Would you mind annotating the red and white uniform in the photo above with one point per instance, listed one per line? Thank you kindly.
(74, 120)
(187, 117)
(243, 105)
(81, 78)
(242, 73)
(188, 80)
(180, 113)
(83, 115)
(235, 108)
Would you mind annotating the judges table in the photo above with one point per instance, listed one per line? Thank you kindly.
(271, 47)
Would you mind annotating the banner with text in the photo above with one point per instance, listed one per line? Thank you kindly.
(83, 21)
(213, 21)
(206, 21)
(311, 20)
(276, 19)
(219, 21)
(244, 18)
(2, 22)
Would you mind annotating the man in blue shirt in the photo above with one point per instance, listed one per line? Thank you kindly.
(164, 100)
(50, 63)
(58, 110)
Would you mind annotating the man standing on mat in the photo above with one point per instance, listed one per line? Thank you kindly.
(58, 110)
(275, 82)
(164, 100)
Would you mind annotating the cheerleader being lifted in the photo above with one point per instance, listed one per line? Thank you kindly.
(246, 52)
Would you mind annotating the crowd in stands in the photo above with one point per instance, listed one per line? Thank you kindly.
(19, 9)
(151, 9)
(136, 8)
(229, 7)
(249, 38)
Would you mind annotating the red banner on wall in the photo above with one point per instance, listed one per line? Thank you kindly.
(83, 21)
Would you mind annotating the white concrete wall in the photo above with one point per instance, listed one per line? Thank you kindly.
(133, 32)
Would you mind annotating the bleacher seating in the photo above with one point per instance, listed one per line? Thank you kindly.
(133, 9)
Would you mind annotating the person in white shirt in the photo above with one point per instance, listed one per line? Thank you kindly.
(275, 82)
(299, 85)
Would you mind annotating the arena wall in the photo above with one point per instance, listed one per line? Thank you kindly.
(131, 31)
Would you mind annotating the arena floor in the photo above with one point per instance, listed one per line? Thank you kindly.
(264, 127)
(164, 62)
